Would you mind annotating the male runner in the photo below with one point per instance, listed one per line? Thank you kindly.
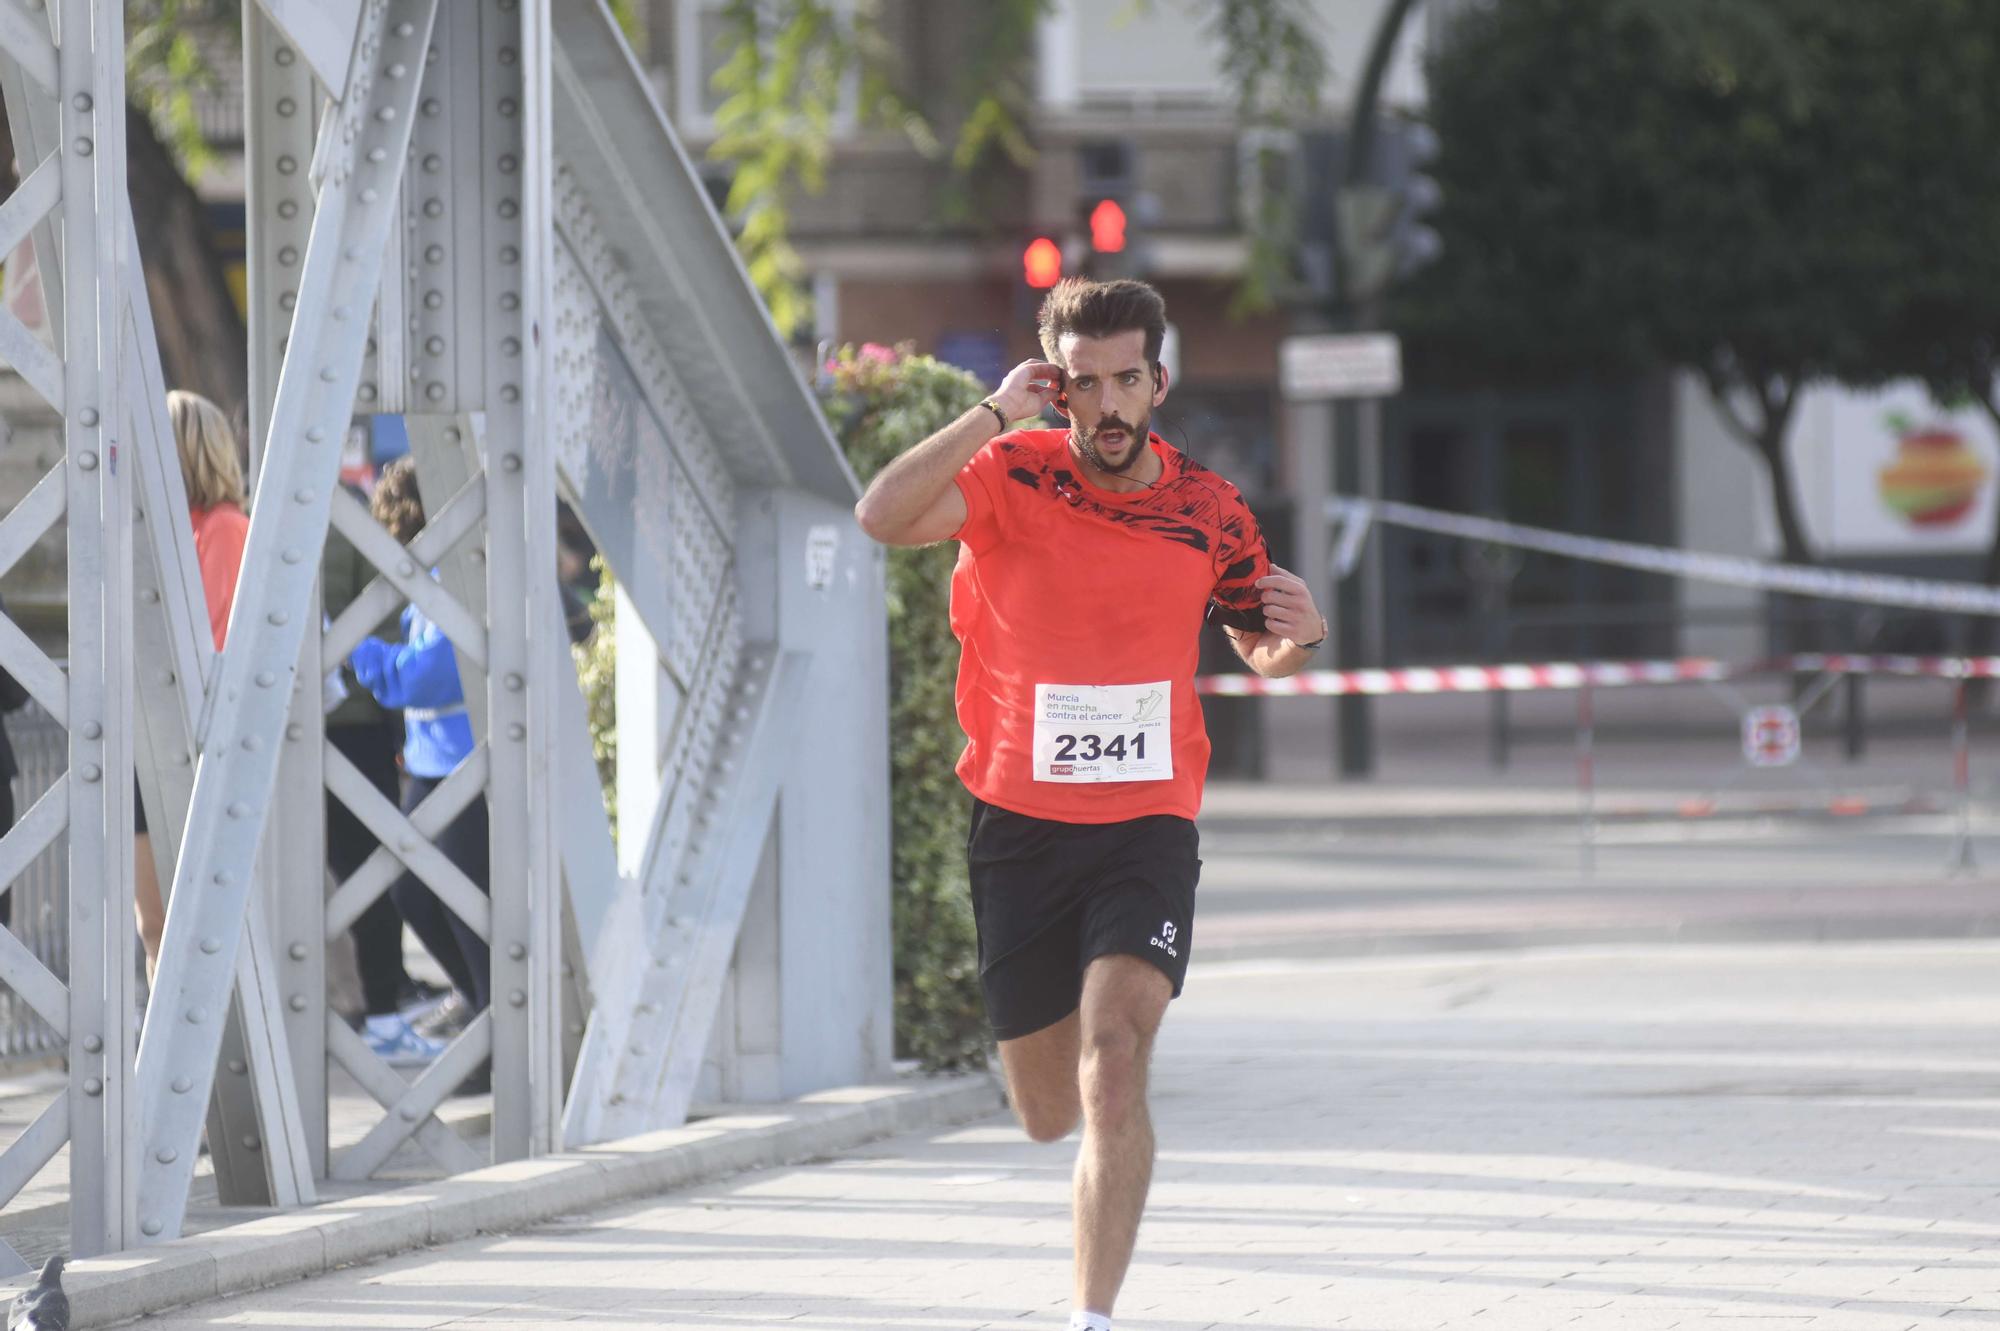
(1088, 559)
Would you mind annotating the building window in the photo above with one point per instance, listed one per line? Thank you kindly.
(702, 37)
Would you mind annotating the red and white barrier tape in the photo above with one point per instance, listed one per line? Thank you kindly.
(1560, 675)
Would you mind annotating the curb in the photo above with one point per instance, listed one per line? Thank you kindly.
(279, 1249)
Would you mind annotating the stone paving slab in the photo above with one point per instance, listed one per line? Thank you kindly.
(1687, 1139)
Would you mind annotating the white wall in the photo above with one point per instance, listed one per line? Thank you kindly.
(1722, 498)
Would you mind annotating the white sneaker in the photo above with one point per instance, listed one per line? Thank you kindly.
(396, 1042)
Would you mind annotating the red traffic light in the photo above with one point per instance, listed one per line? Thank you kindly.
(1041, 263)
(1107, 227)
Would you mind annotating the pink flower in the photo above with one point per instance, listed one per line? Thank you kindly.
(875, 351)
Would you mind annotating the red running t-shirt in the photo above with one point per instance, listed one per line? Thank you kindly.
(1078, 612)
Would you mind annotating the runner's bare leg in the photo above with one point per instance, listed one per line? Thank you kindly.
(1124, 999)
(1041, 1079)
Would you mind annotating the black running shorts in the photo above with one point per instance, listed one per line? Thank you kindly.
(1050, 898)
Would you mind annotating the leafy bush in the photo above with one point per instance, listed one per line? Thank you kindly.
(881, 401)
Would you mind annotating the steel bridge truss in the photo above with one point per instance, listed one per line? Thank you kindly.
(427, 182)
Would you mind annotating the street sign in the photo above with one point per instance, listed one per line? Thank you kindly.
(1771, 736)
(1314, 366)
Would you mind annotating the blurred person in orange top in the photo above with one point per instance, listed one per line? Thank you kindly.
(213, 474)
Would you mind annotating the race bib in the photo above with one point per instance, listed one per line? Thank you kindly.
(1104, 732)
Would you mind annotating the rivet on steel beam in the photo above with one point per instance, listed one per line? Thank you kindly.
(150, 1227)
(251, 744)
(432, 106)
(406, 28)
(405, 569)
(508, 208)
(517, 731)
(517, 951)
(237, 809)
(398, 70)
(616, 1098)
(93, 1044)
(510, 301)
(576, 1028)
(196, 1016)
(516, 998)
(514, 681)
(288, 255)
(252, 1143)
(508, 55)
(277, 617)
(82, 102)
(433, 163)
(434, 391)
(265, 679)
(451, 434)
(511, 345)
(638, 1050)
(285, 55)
(510, 462)
(287, 106)
(434, 346)
(297, 1002)
(87, 460)
(295, 731)
(367, 392)
(149, 596)
(166, 1155)
(291, 554)
(237, 1067)
(370, 194)
(302, 495)
(407, 843)
(289, 301)
(287, 164)
(509, 107)
(510, 254)
(92, 730)
(93, 1086)
(91, 773)
(386, 114)
(84, 147)
(510, 393)
(340, 312)
(181, 1085)
(211, 946)
(329, 374)
(434, 300)
(433, 208)
(378, 154)
(408, 1113)
(297, 951)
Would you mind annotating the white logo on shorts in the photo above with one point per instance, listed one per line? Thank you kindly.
(1165, 941)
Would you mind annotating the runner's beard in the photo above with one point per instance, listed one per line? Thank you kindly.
(1085, 443)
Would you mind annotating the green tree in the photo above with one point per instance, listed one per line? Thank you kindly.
(1711, 186)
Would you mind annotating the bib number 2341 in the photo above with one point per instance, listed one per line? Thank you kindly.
(1104, 732)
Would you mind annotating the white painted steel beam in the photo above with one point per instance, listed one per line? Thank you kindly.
(25, 39)
(644, 1049)
(322, 29)
(103, 1129)
(279, 104)
(528, 645)
(364, 149)
(412, 841)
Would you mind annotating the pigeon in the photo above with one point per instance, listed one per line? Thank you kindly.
(43, 1308)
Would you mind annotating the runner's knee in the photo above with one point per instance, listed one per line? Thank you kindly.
(1113, 1069)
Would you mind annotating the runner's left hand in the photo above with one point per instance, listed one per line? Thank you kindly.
(1289, 611)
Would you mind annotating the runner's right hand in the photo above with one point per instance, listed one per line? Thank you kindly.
(1028, 387)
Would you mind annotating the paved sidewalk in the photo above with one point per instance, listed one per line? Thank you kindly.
(1713, 1137)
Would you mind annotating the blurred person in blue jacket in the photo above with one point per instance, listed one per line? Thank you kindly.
(419, 676)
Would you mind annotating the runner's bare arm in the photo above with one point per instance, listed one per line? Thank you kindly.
(913, 501)
(1290, 618)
